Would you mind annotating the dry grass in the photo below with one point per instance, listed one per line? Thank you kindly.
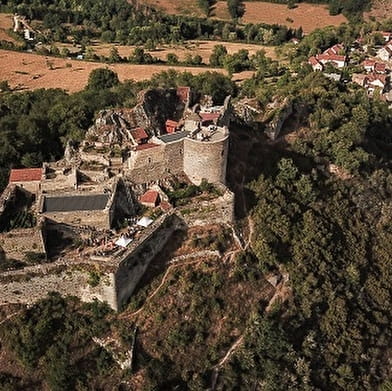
(381, 9)
(6, 23)
(307, 16)
(202, 48)
(32, 71)
(174, 7)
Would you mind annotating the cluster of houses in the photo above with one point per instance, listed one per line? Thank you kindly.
(376, 70)
(334, 56)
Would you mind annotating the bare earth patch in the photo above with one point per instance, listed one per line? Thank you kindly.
(32, 71)
(6, 23)
(307, 16)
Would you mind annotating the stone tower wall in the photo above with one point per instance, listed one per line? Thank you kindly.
(152, 164)
(206, 160)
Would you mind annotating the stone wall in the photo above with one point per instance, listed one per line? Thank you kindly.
(218, 211)
(118, 278)
(29, 287)
(135, 262)
(18, 242)
(161, 161)
(206, 160)
(95, 218)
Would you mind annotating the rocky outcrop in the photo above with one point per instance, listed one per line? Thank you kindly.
(277, 114)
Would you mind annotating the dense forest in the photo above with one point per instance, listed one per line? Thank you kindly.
(328, 230)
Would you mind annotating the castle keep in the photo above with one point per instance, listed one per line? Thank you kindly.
(77, 226)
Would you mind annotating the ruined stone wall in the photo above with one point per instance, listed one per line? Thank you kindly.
(30, 286)
(206, 160)
(95, 218)
(18, 242)
(118, 277)
(32, 187)
(217, 211)
(134, 264)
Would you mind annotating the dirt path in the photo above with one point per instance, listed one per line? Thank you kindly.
(222, 362)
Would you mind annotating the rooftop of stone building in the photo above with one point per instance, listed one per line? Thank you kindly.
(145, 146)
(172, 137)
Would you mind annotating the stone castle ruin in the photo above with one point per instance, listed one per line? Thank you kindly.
(75, 226)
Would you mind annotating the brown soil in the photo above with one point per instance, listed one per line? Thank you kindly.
(32, 71)
(6, 24)
(307, 16)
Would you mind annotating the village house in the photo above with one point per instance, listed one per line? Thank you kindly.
(150, 198)
(385, 53)
(371, 82)
(139, 136)
(316, 65)
(27, 178)
(374, 66)
(333, 56)
(336, 60)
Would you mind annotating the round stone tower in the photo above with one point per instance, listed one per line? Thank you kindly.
(207, 159)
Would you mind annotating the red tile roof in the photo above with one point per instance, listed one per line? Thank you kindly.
(139, 134)
(313, 61)
(369, 63)
(331, 57)
(146, 146)
(209, 116)
(25, 175)
(150, 197)
(379, 67)
(170, 122)
(374, 77)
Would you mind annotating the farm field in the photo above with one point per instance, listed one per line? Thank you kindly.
(307, 16)
(381, 9)
(25, 71)
(173, 7)
(6, 23)
(202, 48)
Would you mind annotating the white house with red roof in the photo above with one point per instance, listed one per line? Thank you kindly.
(332, 56)
(374, 66)
(335, 60)
(371, 81)
(316, 65)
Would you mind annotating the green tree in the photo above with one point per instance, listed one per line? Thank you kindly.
(102, 78)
